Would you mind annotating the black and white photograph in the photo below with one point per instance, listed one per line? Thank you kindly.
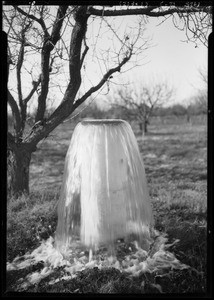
(107, 148)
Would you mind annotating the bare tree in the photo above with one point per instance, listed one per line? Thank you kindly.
(42, 41)
(200, 100)
(142, 100)
(203, 75)
(198, 103)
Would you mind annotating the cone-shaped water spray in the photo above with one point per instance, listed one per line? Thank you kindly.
(104, 193)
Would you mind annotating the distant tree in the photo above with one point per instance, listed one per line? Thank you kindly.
(116, 112)
(203, 75)
(140, 102)
(201, 98)
(162, 111)
(92, 111)
(199, 102)
(44, 39)
(178, 110)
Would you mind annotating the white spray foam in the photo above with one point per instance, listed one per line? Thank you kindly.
(138, 261)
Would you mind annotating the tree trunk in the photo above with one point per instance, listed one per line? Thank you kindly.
(18, 170)
(189, 119)
(145, 129)
(143, 125)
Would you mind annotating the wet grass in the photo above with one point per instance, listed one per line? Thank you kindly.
(175, 159)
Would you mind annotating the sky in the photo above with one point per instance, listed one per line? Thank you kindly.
(174, 59)
(169, 59)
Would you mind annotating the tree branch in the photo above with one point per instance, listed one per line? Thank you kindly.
(48, 46)
(67, 107)
(148, 11)
(15, 111)
(144, 102)
(18, 72)
(84, 54)
(22, 105)
(78, 34)
(32, 17)
(55, 35)
(102, 81)
(35, 86)
(45, 57)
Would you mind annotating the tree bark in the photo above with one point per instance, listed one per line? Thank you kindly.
(143, 127)
(18, 170)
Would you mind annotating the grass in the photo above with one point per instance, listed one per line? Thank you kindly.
(29, 220)
(175, 163)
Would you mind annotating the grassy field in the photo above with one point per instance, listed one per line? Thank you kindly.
(175, 158)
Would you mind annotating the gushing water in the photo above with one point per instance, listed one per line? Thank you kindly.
(104, 193)
(104, 202)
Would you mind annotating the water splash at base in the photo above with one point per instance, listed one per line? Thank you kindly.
(129, 258)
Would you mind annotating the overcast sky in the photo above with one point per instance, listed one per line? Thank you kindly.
(171, 59)
(176, 60)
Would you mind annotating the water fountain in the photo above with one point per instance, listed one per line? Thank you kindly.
(104, 202)
(104, 193)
